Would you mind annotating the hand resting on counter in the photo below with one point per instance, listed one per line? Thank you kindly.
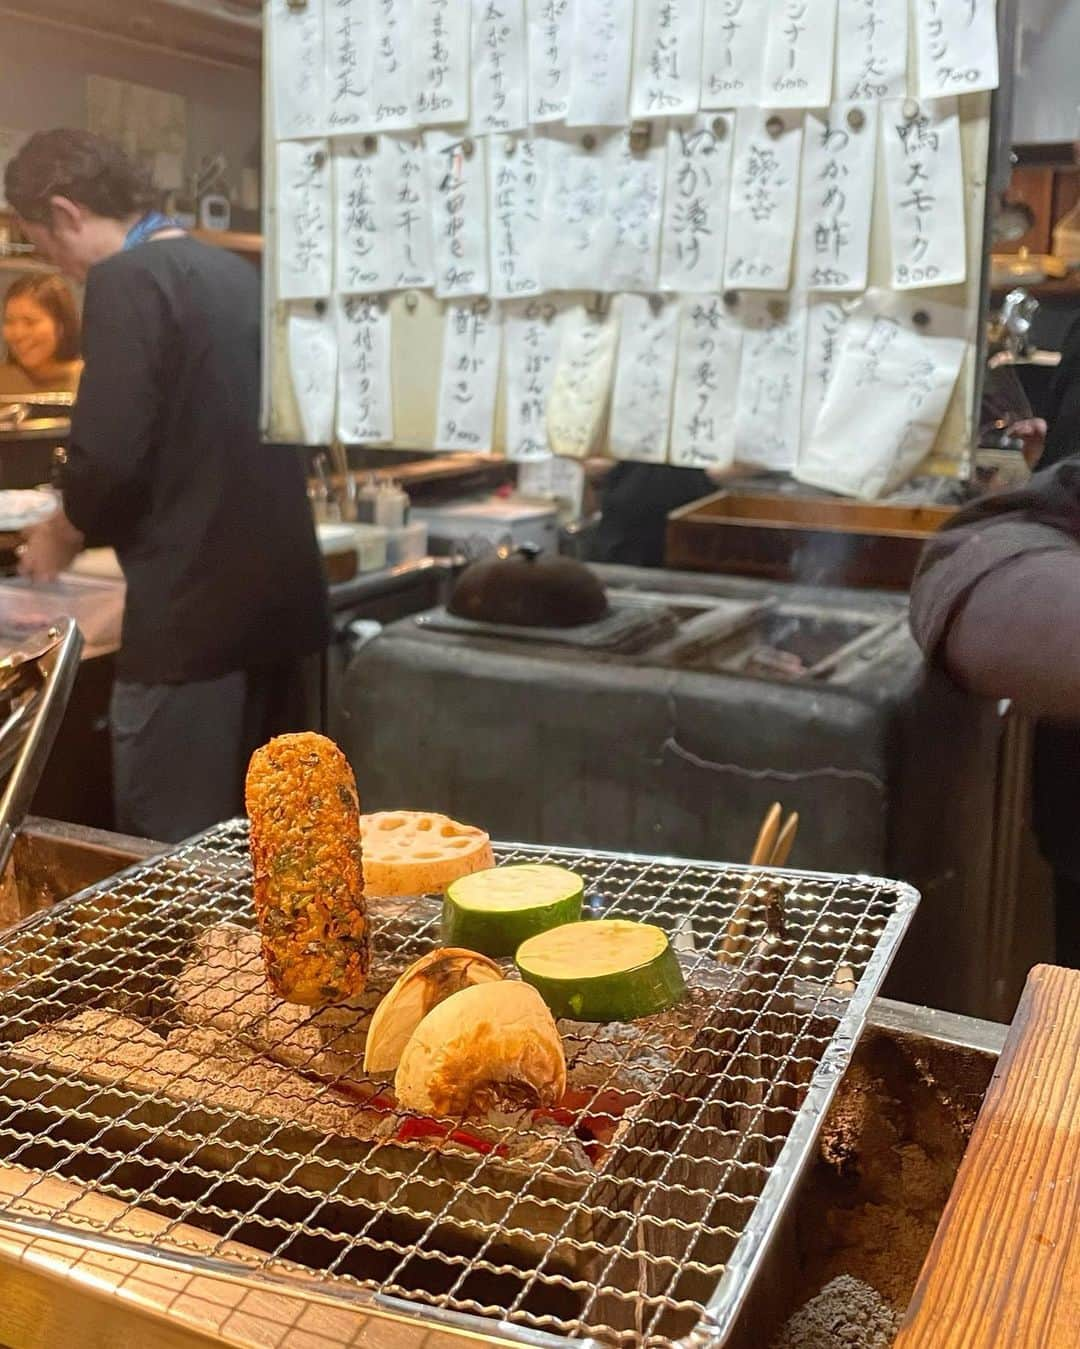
(49, 548)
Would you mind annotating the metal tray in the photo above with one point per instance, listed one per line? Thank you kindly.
(630, 622)
(660, 1244)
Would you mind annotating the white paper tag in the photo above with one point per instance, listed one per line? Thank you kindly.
(361, 261)
(925, 176)
(799, 53)
(696, 203)
(551, 43)
(516, 214)
(957, 43)
(578, 232)
(392, 97)
(666, 78)
(600, 70)
(313, 357)
(562, 479)
(886, 399)
(530, 351)
(304, 215)
(838, 170)
(581, 385)
(472, 342)
(458, 182)
(706, 384)
(349, 34)
(644, 379)
(768, 413)
(441, 44)
(635, 207)
(871, 50)
(404, 180)
(297, 60)
(764, 200)
(826, 322)
(500, 101)
(365, 406)
(732, 53)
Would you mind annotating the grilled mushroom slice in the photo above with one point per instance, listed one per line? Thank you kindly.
(491, 1045)
(427, 982)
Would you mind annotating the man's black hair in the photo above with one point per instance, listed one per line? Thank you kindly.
(88, 169)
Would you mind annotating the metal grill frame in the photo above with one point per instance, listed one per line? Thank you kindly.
(720, 1312)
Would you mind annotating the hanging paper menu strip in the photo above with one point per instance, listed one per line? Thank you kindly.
(577, 232)
(838, 168)
(581, 385)
(349, 35)
(731, 60)
(441, 43)
(696, 203)
(957, 43)
(871, 49)
(799, 53)
(365, 414)
(764, 199)
(600, 71)
(313, 356)
(392, 97)
(304, 210)
(472, 340)
(530, 351)
(634, 208)
(458, 181)
(550, 46)
(644, 379)
(498, 65)
(768, 413)
(297, 60)
(361, 261)
(404, 182)
(886, 399)
(706, 383)
(515, 214)
(825, 324)
(666, 78)
(925, 176)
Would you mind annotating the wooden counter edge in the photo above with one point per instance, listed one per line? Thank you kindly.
(1004, 1266)
(57, 1290)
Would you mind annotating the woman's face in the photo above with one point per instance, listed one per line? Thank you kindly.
(30, 332)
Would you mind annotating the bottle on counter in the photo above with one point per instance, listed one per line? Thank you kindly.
(366, 497)
(391, 505)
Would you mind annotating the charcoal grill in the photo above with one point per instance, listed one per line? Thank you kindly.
(658, 1244)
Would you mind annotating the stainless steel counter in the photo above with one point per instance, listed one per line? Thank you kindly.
(408, 577)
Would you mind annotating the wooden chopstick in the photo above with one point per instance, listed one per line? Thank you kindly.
(785, 841)
(767, 836)
(772, 849)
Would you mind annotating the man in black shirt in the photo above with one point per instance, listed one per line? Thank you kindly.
(226, 594)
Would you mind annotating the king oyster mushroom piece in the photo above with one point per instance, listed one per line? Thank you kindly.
(426, 983)
(491, 1044)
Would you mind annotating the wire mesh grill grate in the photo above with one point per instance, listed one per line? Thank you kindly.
(153, 1094)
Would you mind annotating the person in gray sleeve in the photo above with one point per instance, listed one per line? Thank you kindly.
(997, 604)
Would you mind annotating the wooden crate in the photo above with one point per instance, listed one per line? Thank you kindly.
(814, 541)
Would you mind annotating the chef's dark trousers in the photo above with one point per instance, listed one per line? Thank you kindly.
(180, 751)
(1067, 921)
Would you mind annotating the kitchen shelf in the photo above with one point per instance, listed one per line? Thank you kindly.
(26, 263)
(230, 239)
